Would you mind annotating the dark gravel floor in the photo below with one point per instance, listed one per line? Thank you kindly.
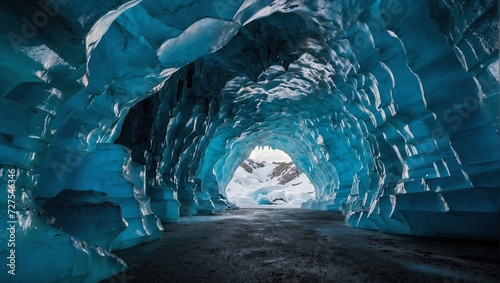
(291, 245)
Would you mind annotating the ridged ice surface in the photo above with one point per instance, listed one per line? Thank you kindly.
(390, 108)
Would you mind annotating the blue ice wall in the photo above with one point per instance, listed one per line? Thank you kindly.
(390, 107)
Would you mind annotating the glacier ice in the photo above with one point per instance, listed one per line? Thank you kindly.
(109, 169)
(272, 182)
(89, 215)
(389, 107)
(43, 252)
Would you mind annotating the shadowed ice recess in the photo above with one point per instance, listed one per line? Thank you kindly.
(119, 115)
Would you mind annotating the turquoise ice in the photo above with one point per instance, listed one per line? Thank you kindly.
(389, 107)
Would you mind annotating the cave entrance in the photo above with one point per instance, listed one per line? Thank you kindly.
(269, 178)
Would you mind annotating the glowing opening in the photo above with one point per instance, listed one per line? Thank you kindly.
(266, 153)
(269, 177)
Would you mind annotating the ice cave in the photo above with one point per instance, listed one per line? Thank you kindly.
(120, 115)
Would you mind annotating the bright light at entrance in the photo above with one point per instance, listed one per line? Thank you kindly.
(268, 154)
(269, 177)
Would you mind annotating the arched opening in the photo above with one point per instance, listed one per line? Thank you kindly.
(389, 108)
(269, 177)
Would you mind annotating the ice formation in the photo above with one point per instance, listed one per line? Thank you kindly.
(258, 182)
(389, 107)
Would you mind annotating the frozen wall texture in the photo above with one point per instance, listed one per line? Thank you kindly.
(144, 110)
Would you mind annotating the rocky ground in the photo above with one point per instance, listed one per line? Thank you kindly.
(292, 245)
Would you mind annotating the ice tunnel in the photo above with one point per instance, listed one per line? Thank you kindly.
(119, 115)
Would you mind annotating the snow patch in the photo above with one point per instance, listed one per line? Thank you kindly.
(261, 183)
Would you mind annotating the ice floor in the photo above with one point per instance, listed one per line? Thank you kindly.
(292, 245)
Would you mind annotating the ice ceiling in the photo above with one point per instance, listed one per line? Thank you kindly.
(128, 108)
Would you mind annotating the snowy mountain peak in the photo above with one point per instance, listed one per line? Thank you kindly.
(282, 172)
(286, 172)
(258, 182)
(249, 165)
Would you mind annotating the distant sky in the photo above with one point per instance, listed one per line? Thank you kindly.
(269, 155)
